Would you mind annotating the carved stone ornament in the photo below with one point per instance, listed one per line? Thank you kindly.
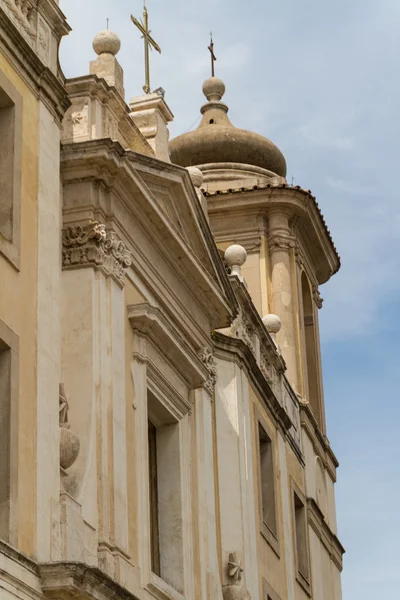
(208, 361)
(242, 328)
(92, 246)
(235, 590)
(24, 15)
(317, 296)
(280, 242)
(69, 441)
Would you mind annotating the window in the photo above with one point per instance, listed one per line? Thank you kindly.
(311, 353)
(268, 515)
(8, 431)
(166, 523)
(153, 498)
(7, 129)
(267, 480)
(10, 169)
(301, 545)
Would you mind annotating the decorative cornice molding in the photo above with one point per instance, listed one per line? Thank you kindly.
(92, 246)
(320, 442)
(153, 323)
(73, 579)
(324, 533)
(207, 358)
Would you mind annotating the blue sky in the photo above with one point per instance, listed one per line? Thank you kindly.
(321, 79)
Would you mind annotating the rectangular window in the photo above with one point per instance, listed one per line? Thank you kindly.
(165, 494)
(300, 519)
(153, 498)
(11, 109)
(7, 159)
(8, 408)
(267, 480)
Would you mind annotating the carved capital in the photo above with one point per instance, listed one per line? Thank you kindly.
(279, 242)
(208, 361)
(91, 246)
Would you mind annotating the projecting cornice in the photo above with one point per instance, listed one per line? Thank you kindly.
(154, 208)
(303, 207)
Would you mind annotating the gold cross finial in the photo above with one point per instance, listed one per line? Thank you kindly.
(213, 57)
(148, 43)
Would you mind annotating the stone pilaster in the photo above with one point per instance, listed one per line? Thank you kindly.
(281, 245)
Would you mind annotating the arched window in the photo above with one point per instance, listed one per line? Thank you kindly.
(311, 353)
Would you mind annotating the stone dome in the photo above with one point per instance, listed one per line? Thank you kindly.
(216, 140)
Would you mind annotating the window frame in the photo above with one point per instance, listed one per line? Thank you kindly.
(9, 342)
(11, 249)
(271, 537)
(164, 396)
(303, 579)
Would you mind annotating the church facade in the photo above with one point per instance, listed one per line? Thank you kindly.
(162, 425)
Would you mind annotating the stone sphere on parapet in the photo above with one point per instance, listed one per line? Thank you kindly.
(235, 256)
(106, 42)
(272, 323)
(213, 89)
(196, 176)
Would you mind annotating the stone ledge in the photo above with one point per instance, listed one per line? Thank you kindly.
(78, 581)
(321, 528)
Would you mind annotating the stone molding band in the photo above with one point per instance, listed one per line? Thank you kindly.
(92, 246)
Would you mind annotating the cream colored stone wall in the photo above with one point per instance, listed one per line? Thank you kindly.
(18, 305)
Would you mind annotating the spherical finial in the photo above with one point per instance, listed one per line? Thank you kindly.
(235, 256)
(213, 89)
(272, 324)
(196, 176)
(106, 42)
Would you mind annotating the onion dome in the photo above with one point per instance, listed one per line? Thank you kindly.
(216, 140)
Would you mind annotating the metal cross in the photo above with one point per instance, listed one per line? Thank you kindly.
(148, 43)
(213, 57)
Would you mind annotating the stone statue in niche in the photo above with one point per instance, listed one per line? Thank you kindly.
(69, 442)
(235, 590)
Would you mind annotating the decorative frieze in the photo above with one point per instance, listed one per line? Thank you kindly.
(208, 361)
(91, 246)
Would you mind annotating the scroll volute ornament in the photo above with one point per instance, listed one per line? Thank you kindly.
(235, 590)
(69, 441)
